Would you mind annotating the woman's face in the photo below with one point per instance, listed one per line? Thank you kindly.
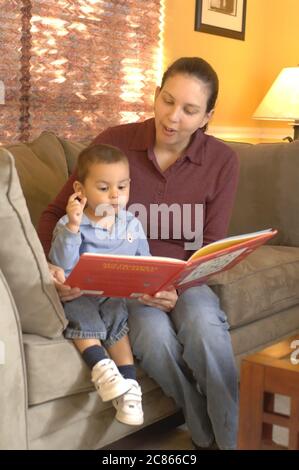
(180, 109)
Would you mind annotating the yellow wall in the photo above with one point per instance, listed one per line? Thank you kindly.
(282, 41)
(247, 68)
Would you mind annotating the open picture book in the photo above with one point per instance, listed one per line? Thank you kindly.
(132, 276)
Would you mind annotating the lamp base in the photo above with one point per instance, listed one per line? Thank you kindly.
(296, 133)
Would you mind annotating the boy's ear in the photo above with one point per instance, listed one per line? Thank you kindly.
(78, 187)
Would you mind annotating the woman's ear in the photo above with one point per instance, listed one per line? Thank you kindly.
(78, 187)
(211, 113)
(157, 91)
(208, 117)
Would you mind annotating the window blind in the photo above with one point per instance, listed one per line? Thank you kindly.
(92, 64)
(10, 74)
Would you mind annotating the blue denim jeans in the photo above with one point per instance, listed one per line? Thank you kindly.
(188, 353)
(104, 318)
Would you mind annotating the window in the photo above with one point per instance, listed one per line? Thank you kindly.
(86, 65)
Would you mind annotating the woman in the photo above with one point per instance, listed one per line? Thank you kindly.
(181, 338)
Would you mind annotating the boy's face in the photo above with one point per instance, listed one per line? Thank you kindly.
(107, 185)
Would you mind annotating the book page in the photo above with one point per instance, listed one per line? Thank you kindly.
(146, 259)
(211, 266)
(227, 242)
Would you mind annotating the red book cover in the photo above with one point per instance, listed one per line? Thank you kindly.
(132, 276)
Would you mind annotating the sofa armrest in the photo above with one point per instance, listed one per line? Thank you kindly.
(13, 389)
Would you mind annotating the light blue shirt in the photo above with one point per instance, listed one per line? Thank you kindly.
(126, 237)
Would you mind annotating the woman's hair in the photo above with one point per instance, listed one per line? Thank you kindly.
(198, 68)
(98, 153)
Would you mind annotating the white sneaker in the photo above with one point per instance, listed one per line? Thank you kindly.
(128, 406)
(108, 380)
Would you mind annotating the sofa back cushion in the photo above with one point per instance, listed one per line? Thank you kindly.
(42, 169)
(72, 150)
(267, 194)
(264, 283)
(22, 259)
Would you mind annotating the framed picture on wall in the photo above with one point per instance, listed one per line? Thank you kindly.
(221, 17)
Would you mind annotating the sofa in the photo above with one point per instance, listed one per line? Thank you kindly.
(47, 400)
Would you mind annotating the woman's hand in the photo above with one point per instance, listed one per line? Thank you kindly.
(65, 292)
(164, 300)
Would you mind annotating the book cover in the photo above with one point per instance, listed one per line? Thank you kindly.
(132, 276)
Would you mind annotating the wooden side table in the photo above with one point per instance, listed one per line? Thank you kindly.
(264, 374)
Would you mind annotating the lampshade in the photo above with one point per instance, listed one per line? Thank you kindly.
(281, 103)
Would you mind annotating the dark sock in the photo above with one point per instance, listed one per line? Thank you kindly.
(128, 371)
(94, 354)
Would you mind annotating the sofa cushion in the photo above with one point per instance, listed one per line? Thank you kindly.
(267, 189)
(42, 169)
(55, 369)
(22, 259)
(267, 281)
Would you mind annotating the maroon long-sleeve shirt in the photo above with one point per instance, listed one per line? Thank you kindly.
(206, 174)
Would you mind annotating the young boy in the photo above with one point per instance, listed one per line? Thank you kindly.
(96, 221)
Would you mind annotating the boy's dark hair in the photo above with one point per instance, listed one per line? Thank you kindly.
(200, 69)
(98, 153)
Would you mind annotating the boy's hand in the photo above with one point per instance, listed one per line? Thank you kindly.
(74, 210)
(65, 292)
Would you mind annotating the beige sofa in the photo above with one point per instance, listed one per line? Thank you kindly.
(46, 398)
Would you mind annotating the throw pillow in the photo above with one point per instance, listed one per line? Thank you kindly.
(22, 259)
(13, 399)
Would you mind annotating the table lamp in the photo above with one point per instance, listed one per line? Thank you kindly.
(281, 103)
